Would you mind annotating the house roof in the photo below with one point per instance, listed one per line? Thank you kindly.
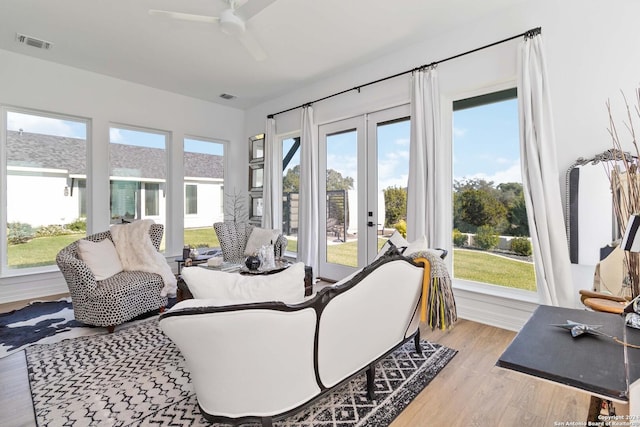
(56, 152)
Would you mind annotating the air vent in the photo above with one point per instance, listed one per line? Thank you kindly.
(226, 96)
(34, 42)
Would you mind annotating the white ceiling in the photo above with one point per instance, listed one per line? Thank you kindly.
(305, 40)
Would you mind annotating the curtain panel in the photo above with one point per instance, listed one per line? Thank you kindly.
(308, 224)
(272, 193)
(540, 177)
(428, 164)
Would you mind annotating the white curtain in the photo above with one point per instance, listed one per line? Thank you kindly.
(540, 177)
(308, 220)
(272, 185)
(428, 165)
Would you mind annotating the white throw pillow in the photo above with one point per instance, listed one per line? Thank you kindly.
(258, 238)
(397, 239)
(101, 258)
(420, 245)
(286, 286)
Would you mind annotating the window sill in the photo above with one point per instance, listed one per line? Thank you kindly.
(505, 308)
(496, 291)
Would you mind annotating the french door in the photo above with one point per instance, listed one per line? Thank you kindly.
(360, 158)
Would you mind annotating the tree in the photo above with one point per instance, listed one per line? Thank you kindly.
(291, 180)
(479, 207)
(335, 181)
(395, 205)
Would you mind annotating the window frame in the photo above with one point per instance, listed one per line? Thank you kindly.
(472, 287)
(5, 109)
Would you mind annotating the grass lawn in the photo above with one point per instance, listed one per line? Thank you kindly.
(38, 252)
(487, 268)
(201, 237)
(467, 264)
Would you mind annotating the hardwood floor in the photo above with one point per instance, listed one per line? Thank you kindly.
(470, 391)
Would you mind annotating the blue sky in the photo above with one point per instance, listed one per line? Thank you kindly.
(77, 129)
(486, 143)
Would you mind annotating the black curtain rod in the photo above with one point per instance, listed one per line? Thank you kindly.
(527, 34)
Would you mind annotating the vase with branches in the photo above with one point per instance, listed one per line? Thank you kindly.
(623, 172)
(235, 207)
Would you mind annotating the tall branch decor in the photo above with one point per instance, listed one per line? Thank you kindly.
(623, 173)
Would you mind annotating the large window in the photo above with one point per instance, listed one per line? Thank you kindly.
(491, 232)
(203, 190)
(44, 168)
(138, 171)
(291, 190)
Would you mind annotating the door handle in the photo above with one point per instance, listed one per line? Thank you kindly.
(370, 224)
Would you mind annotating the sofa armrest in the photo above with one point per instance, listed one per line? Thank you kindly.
(246, 360)
(79, 277)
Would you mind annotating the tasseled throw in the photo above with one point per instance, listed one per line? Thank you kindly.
(438, 306)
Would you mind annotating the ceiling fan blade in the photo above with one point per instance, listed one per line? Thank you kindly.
(184, 16)
(252, 46)
(252, 8)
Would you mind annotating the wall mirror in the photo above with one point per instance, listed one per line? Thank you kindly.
(589, 214)
(256, 148)
(256, 176)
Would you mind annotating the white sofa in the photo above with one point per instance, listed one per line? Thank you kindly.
(265, 361)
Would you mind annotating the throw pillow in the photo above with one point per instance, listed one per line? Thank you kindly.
(286, 286)
(397, 240)
(419, 245)
(258, 238)
(101, 258)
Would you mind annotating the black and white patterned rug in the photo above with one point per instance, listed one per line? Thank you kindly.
(41, 322)
(137, 377)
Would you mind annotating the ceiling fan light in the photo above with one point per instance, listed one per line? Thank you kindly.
(231, 24)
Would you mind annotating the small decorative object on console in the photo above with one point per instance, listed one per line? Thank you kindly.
(252, 262)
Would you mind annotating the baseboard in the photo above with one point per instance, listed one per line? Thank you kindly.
(501, 312)
(31, 287)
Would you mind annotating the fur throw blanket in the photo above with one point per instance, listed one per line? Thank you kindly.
(137, 253)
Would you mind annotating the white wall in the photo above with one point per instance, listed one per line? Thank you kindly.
(36, 84)
(591, 55)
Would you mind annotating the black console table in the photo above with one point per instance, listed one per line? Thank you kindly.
(594, 364)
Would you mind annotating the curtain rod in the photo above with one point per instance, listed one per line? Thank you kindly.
(527, 34)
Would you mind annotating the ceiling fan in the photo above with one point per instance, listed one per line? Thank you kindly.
(232, 21)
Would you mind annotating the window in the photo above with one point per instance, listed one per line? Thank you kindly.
(491, 232)
(138, 165)
(290, 190)
(203, 190)
(44, 168)
(151, 199)
(191, 199)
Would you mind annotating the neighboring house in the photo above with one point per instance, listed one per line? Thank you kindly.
(137, 182)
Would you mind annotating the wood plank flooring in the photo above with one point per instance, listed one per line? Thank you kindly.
(470, 391)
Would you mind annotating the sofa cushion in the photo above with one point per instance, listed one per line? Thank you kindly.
(101, 258)
(258, 238)
(286, 286)
(396, 240)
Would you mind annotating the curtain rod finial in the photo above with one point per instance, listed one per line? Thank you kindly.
(270, 116)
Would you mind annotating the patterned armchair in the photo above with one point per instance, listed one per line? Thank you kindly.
(116, 299)
(233, 238)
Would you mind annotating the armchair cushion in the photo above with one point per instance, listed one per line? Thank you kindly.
(258, 238)
(101, 258)
(286, 286)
